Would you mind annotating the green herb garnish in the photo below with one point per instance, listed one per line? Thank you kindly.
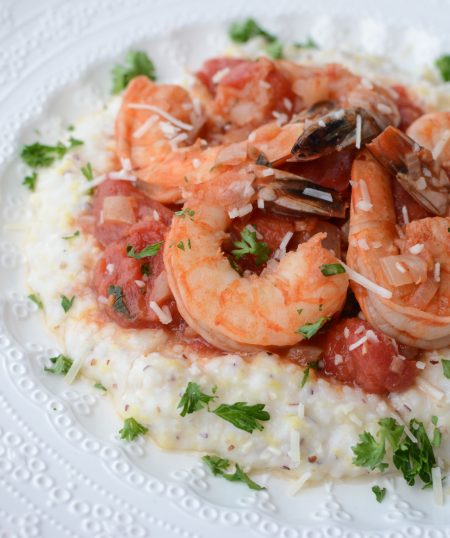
(249, 245)
(193, 399)
(443, 64)
(243, 416)
(67, 303)
(379, 493)
(180, 245)
(145, 269)
(311, 365)
(235, 266)
(446, 367)
(119, 303)
(136, 63)
(68, 237)
(413, 458)
(218, 466)
(99, 386)
(39, 155)
(61, 365)
(185, 212)
(132, 429)
(241, 32)
(275, 50)
(330, 269)
(30, 181)
(310, 329)
(150, 250)
(308, 44)
(36, 300)
(87, 172)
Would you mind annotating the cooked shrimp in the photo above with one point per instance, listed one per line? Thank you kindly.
(245, 313)
(156, 129)
(362, 110)
(412, 265)
(432, 131)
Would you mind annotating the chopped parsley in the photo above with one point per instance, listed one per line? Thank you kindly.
(193, 399)
(315, 366)
(235, 266)
(446, 367)
(69, 237)
(99, 386)
(149, 250)
(379, 493)
(249, 245)
(310, 329)
(330, 269)
(36, 300)
(218, 466)
(136, 63)
(437, 434)
(274, 49)
(39, 155)
(67, 303)
(30, 181)
(180, 245)
(132, 429)
(119, 303)
(87, 172)
(443, 64)
(241, 32)
(61, 365)
(243, 416)
(412, 458)
(308, 44)
(185, 212)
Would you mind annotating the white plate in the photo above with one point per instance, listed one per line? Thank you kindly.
(62, 471)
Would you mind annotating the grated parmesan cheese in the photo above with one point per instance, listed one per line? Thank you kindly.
(405, 214)
(146, 126)
(285, 240)
(366, 283)
(163, 113)
(358, 131)
(110, 268)
(163, 314)
(365, 204)
(358, 343)
(219, 75)
(417, 248)
(429, 389)
(437, 272)
(320, 195)
(420, 365)
(260, 203)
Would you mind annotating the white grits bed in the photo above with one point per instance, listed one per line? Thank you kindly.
(145, 379)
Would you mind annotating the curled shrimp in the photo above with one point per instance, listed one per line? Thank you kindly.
(412, 264)
(156, 129)
(432, 131)
(245, 313)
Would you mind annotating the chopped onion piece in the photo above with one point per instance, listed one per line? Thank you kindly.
(119, 209)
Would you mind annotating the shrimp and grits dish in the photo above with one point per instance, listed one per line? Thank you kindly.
(254, 265)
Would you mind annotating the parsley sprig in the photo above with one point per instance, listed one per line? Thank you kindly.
(218, 466)
(137, 63)
(67, 303)
(39, 155)
(149, 250)
(379, 493)
(311, 365)
(87, 172)
(310, 329)
(118, 302)
(240, 414)
(330, 269)
(186, 212)
(446, 367)
(194, 399)
(243, 31)
(414, 459)
(30, 181)
(36, 298)
(61, 365)
(249, 245)
(132, 429)
(243, 416)
(443, 64)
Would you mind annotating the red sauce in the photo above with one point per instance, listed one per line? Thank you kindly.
(408, 107)
(372, 366)
(403, 199)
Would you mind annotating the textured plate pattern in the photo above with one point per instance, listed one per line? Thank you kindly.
(63, 472)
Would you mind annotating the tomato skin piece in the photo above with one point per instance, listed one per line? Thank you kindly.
(369, 365)
(108, 231)
(124, 271)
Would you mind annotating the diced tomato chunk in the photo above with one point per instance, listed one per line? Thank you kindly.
(213, 66)
(375, 366)
(331, 171)
(108, 229)
(138, 281)
(409, 109)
